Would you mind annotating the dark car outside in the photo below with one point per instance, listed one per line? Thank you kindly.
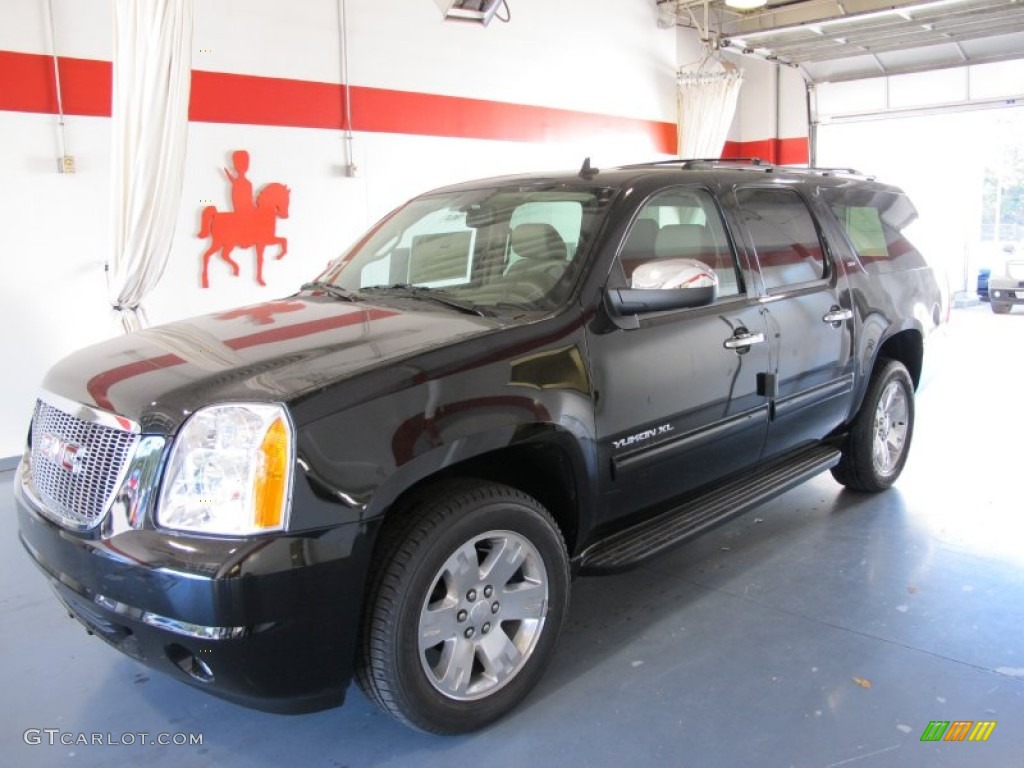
(1006, 287)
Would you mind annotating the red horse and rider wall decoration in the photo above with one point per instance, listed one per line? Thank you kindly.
(248, 224)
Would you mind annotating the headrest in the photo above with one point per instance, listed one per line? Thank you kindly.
(538, 241)
(641, 239)
(678, 239)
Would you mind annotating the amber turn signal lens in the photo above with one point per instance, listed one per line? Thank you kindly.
(270, 485)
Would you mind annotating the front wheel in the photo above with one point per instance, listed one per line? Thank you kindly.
(470, 589)
(999, 308)
(877, 445)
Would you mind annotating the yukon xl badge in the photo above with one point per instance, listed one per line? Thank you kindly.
(641, 437)
(64, 455)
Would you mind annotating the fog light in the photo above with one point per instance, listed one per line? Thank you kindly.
(195, 668)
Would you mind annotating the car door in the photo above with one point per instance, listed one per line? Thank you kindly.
(808, 313)
(677, 391)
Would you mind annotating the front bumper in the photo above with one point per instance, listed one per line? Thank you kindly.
(1003, 291)
(270, 622)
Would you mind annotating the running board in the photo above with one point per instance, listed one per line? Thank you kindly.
(632, 546)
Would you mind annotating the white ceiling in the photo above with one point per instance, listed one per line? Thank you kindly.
(834, 40)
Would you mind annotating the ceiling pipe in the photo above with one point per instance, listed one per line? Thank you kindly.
(350, 163)
(62, 161)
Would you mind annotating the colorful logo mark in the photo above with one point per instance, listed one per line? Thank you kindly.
(958, 730)
(249, 224)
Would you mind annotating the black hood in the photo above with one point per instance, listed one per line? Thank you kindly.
(277, 350)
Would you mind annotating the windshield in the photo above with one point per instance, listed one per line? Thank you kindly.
(487, 248)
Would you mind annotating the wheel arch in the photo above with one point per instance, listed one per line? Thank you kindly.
(541, 469)
(906, 346)
(543, 460)
(880, 340)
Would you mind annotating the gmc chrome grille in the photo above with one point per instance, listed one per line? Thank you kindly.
(76, 464)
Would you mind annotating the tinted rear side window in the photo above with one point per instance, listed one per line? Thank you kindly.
(784, 236)
(873, 221)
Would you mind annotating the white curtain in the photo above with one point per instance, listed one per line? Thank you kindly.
(152, 78)
(707, 102)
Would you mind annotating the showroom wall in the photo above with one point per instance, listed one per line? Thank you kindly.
(431, 102)
(771, 119)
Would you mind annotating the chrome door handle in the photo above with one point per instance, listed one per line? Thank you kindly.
(743, 340)
(837, 315)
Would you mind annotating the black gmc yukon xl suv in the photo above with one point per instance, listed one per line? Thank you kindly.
(393, 474)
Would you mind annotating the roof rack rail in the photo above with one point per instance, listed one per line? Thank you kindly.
(694, 162)
(751, 163)
(828, 171)
(700, 161)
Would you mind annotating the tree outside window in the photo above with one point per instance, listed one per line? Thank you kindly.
(1002, 207)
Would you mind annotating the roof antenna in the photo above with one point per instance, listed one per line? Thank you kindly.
(588, 171)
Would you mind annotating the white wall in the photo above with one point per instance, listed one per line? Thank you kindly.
(610, 60)
(771, 117)
(772, 101)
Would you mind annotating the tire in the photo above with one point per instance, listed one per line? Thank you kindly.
(440, 575)
(999, 308)
(876, 448)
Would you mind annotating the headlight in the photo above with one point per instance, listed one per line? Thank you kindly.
(230, 471)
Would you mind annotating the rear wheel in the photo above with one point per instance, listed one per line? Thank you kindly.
(877, 445)
(469, 592)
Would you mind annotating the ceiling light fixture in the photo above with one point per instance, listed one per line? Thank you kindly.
(746, 5)
(479, 11)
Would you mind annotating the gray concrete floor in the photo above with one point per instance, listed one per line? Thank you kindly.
(824, 629)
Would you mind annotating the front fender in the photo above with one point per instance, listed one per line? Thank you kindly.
(358, 461)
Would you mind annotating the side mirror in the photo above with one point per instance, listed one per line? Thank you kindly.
(665, 284)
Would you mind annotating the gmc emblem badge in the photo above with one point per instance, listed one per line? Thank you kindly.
(64, 455)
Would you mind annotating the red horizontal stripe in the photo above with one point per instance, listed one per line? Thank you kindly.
(219, 97)
(425, 114)
(99, 385)
(793, 151)
(296, 330)
(27, 84)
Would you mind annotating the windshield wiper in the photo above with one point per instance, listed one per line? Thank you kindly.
(332, 290)
(422, 292)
